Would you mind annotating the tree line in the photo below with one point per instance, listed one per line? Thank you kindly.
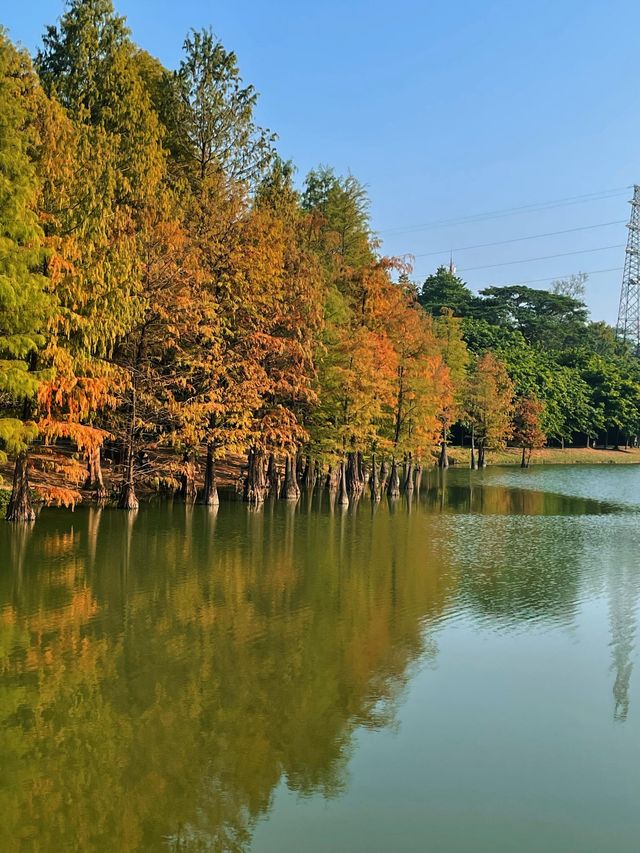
(165, 284)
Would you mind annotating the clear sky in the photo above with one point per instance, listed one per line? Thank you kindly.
(445, 110)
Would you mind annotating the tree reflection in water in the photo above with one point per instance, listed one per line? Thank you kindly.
(165, 671)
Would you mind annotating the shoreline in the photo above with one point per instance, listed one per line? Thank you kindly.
(47, 466)
(554, 456)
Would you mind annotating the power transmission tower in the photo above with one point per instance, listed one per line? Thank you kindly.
(629, 311)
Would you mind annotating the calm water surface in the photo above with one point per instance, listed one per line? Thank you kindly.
(458, 675)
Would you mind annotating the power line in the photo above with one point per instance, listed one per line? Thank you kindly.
(510, 211)
(543, 258)
(520, 239)
(557, 277)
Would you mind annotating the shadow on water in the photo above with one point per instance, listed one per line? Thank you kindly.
(164, 671)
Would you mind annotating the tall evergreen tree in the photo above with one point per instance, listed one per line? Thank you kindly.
(25, 306)
(342, 207)
(209, 115)
(444, 289)
(88, 64)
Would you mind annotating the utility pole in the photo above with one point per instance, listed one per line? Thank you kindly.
(629, 311)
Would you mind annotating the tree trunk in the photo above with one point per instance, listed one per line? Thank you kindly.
(418, 477)
(443, 460)
(94, 479)
(473, 462)
(331, 482)
(290, 490)
(343, 495)
(20, 508)
(128, 499)
(210, 493)
(523, 463)
(482, 461)
(374, 482)
(362, 473)
(188, 490)
(309, 478)
(255, 484)
(273, 478)
(384, 473)
(393, 489)
(352, 476)
(407, 486)
(299, 469)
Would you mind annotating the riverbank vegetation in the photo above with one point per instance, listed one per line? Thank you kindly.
(167, 286)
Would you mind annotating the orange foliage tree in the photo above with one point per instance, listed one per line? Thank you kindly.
(489, 405)
(527, 429)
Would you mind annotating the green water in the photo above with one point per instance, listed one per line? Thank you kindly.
(458, 675)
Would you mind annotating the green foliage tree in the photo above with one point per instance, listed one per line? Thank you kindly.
(615, 396)
(88, 63)
(536, 371)
(552, 320)
(444, 289)
(341, 206)
(209, 115)
(25, 305)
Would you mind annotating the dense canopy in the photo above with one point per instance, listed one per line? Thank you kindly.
(168, 290)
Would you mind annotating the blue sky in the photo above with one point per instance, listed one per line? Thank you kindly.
(444, 110)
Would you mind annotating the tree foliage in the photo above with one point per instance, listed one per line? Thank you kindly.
(164, 284)
(25, 304)
(489, 403)
(527, 427)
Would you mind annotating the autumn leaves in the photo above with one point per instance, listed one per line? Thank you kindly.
(165, 285)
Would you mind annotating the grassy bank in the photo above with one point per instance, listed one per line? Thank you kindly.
(555, 456)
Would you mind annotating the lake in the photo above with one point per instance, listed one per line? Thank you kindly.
(454, 675)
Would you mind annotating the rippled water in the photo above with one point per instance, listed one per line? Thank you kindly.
(457, 675)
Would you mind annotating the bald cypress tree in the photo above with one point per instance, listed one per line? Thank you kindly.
(24, 303)
(88, 62)
(209, 114)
